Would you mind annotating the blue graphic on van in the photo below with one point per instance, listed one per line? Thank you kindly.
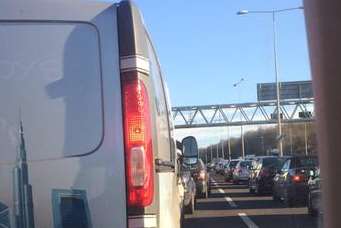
(4, 216)
(70, 209)
(23, 199)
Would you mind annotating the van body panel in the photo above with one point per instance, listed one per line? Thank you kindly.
(69, 152)
(135, 44)
(56, 92)
(93, 175)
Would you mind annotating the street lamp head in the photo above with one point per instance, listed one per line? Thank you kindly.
(242, 12)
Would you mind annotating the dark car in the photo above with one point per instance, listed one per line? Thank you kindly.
(228, 170)
(314, 194)
(263, 170)
(201, 178)
(291, 182)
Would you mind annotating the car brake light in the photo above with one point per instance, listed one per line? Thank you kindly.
(297, 178)
(201, 175)
(137, 141)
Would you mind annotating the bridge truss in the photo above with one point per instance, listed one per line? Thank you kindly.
(243, 114)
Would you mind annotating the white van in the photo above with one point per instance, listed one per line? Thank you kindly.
(86, 136)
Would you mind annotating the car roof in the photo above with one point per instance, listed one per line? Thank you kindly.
(303, 156)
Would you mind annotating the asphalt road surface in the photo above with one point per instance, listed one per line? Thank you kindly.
(232, 206)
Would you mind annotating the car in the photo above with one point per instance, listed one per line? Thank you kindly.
(263, 170)
(241, 173)
(189, 186)
(229, 168)
(82, 82)
(291, 182)
(250, 157)
(201, 178)
(192, 166)
(210, 166)
(219, 166)
(314, 194)
(225, 170)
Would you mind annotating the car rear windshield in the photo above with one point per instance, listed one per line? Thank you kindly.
(244, 164)
(233, 164)
(307, 162)
(273, 162)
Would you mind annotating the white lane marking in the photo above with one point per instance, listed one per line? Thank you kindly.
(221, 191)
(247, 220)
(214, 182)
(228, 199)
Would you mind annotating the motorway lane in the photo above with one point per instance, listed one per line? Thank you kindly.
(233, 206)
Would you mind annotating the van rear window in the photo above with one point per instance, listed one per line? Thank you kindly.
(50, 77)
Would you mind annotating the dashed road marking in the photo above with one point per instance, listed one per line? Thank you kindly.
(228, 199)
(247, 220)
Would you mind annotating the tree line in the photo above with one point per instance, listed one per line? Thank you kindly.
(298, 139)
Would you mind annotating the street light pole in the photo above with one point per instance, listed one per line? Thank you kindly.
(222, 148)
(241, 125)
(229, 142)
(279, 124)
(218, 150)
(305, 139)
(273, 12)
(242, 138)
(262, 141)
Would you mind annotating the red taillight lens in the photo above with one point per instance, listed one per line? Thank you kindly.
(297, 178)
(201, 175)
(138, 141)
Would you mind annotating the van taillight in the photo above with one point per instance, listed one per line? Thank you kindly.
(138, 141)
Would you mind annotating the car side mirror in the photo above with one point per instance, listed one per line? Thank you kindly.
(190, 150)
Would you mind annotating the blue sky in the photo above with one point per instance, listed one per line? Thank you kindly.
(204, 48)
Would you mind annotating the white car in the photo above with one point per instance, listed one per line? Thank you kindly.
(242, 171)
(82, 82)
